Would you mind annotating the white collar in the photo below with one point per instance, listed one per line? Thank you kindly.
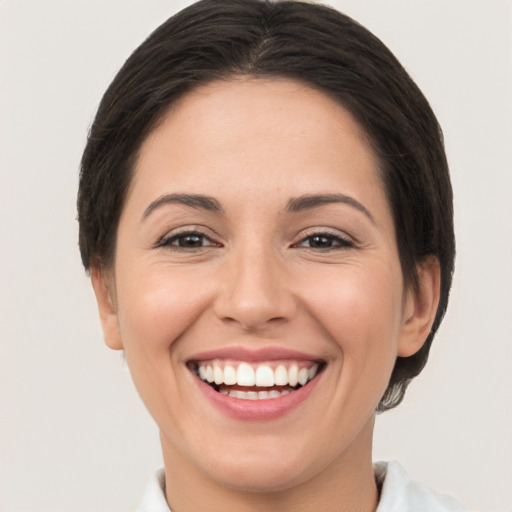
(398, 493)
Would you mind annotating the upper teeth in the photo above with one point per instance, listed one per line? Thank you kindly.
(245, 374)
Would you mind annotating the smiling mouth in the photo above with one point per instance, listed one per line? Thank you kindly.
(255, 381)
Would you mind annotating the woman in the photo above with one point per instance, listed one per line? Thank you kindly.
(265, 211)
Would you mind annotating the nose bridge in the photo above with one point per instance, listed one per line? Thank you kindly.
(254, 290)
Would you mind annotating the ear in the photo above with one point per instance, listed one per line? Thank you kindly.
(104, 291)
(420, 308)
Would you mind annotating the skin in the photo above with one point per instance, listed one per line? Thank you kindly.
(257, 280)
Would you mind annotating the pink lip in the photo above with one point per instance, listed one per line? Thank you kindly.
(256, 410)
(253, 355)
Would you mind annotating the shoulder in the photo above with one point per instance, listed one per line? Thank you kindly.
(400, 494)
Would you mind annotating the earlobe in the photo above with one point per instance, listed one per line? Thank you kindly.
(420, 308)
(103, 289)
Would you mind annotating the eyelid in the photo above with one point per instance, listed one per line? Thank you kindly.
(345, 241)
(174, 234)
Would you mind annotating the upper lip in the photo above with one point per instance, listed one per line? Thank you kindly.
(254, 355)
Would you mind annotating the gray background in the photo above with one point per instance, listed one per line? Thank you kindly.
(74, 435)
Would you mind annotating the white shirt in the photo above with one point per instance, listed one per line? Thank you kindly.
(398, 493)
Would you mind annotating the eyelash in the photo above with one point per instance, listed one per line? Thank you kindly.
(170, 241)
(335, 241)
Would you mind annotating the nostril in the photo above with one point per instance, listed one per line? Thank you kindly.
(255, 325)
(277, 319)
(252, 316)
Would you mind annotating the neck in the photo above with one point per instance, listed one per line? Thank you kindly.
(346, 484)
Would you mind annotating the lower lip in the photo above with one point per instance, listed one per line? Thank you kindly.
(257, 410)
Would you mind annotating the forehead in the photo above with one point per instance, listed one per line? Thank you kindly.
(276, 133)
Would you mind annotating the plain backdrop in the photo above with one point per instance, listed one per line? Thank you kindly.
(74, 436)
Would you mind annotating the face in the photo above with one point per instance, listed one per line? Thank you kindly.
(257, 290)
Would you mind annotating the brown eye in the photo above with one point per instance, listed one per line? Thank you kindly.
(321, 241)
(325, 241)
(189, 240)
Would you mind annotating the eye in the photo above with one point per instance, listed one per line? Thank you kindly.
(187, 240)
(325, 241)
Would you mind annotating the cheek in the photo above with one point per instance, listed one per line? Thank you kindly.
(359, 306)
(157, 307)
(360, 310)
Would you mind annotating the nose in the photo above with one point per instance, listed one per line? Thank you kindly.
(254, 291)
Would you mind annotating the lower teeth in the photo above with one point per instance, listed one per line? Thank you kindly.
(255, 395)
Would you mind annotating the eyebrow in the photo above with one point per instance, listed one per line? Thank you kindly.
(198, 201)
(308, 202)
(295, 205)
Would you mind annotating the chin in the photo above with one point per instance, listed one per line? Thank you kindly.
(265, 465)
(260, 477)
